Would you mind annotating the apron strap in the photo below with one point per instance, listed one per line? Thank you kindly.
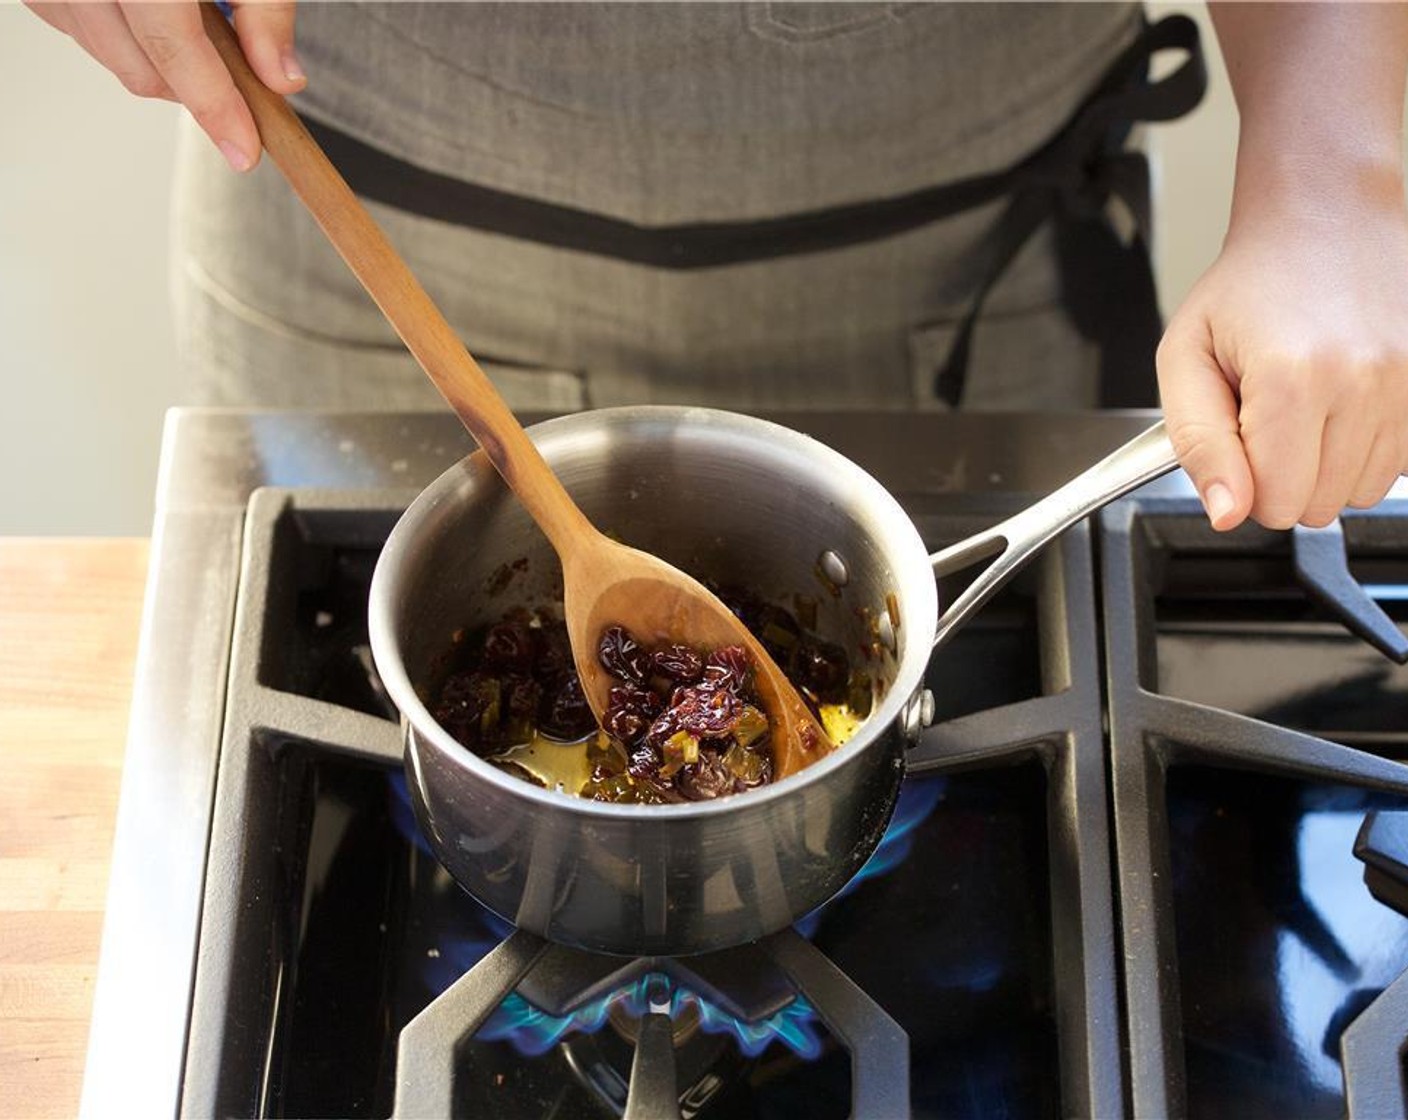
(1107, 286)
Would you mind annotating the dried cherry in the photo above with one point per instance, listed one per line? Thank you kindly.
(727, 669)
(563, 712)
(706, 779)
(522, 696)
(554, 652)
(509, 647)
(708, 714)
(681, 723)
(629, 712)
(677, 664)
(468, 707)
(644, 761)
(622, 656)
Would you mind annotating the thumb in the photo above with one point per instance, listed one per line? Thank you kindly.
(265, 29)
(1200, 409)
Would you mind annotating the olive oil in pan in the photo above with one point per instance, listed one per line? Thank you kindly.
(551, 763)
(840, 723)
(567, 767)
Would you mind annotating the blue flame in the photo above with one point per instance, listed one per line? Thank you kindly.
(532, 1031)
(403, 817)
(917, 800)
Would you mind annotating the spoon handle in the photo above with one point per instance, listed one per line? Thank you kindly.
(382, 272)
(1015, 541)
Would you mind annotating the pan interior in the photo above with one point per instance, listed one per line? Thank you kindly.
(726, 498)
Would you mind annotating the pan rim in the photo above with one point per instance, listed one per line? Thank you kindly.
(902, 544)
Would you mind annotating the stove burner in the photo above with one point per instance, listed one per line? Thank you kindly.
(626, 1020)
(338, 927)
(534, 1022)
(533, 1032)
(705, 1068)
(426, 1056)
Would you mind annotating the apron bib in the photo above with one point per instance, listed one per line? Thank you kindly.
(972, 292)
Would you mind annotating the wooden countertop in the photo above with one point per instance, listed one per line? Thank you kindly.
(69, 616)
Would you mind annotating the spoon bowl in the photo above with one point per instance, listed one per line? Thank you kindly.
(611, 584)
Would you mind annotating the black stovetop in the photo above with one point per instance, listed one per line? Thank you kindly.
(1122, 877)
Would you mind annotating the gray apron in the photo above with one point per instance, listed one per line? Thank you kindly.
(650, 116)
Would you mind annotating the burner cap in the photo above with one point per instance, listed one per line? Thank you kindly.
(705, 1064)
(683, 1024)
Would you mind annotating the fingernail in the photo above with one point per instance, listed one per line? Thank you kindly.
(293, 69)
(234, 157)
(1219, 502)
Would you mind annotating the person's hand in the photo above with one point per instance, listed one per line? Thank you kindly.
(1284, 375)
(160, 50)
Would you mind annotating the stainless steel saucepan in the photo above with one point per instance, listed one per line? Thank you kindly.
(728, 498)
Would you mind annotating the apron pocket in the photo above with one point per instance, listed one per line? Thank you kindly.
(236, 355)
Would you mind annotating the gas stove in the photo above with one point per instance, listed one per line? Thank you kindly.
(1150, 859)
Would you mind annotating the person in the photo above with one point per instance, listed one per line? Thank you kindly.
(528, 157)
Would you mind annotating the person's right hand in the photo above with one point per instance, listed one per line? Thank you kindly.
(161, 50)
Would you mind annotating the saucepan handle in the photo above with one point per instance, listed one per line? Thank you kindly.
(1015, 541)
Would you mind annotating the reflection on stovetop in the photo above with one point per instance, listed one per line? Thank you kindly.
(1298, 946)
(984, 929)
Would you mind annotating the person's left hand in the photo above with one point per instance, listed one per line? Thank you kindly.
(1284, 375)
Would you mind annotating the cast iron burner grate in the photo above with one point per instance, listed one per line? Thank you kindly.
(976, 975)
(1251, 954)
(562, 978)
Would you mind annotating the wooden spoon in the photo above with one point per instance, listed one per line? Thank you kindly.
(605, 583)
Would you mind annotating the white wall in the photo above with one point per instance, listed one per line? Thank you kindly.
(1193, 164)
(87, 361)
